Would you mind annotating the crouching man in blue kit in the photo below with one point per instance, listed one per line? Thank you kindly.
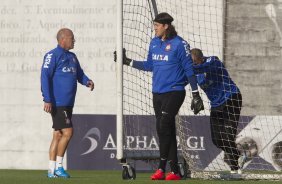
(226, 103)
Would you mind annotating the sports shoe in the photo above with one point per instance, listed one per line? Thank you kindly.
(61, 173)
(51, 175)
(233, 172)
(239, 171)
(158, 175)
(242, 160)
(172, 176)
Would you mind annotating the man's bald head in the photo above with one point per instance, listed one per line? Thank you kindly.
(197, 56)
(62, 33)
(65, 38)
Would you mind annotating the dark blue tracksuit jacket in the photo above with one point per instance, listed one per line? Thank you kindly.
(215, 81)
(171, 64)
(59, 75)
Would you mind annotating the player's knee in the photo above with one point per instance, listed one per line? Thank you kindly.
(67, 133)
(57, 135)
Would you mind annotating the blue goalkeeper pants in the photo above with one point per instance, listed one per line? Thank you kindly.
(223, 123)
(166, 106)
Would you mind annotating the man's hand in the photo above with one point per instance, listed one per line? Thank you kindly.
(126, 61)
(197, 103)
(90, 84)
(47, 107)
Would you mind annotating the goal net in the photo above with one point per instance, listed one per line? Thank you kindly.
(224, 29)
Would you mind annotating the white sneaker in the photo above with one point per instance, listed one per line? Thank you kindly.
(239, 171)
(242, 160)
(233, 172)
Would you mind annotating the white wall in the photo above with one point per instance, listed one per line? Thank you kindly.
(27, 31)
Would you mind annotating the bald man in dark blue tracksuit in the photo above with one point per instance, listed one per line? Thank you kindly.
(60, 73)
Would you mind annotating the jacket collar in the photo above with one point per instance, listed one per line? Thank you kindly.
(61, 49)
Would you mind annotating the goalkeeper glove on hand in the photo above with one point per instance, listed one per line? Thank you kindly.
(126, 61)
(197, 103)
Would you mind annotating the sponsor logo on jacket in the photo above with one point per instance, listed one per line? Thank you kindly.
(168, 47)
(160, 57)
(186, 48)
(69, 69)
(47, 60)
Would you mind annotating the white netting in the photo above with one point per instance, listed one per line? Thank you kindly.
(205, 24)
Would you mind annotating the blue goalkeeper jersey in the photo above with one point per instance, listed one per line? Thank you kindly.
(215, 81)
(171, 64)
(59, 75)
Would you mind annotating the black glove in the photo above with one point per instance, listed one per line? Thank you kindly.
(126, 61)
(197, 103)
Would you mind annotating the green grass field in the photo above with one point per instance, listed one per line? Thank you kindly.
(93, 177)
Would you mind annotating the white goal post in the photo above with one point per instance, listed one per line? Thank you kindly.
(205, 24)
